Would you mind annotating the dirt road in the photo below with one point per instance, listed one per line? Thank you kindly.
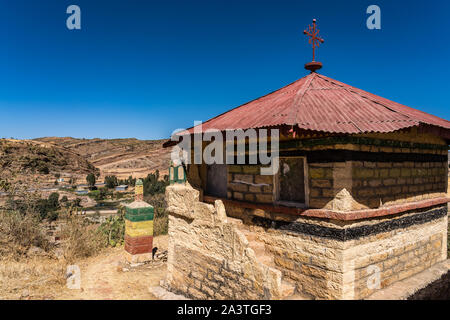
(104, 278)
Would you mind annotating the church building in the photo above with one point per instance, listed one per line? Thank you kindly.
(359, 201)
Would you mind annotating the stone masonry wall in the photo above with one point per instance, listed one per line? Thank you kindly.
(326, 266)
(348, 176)
(325, 258)
(246, 183)
(209, 258)
(386, 183)
(375, 184)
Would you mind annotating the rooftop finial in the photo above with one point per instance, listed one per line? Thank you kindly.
(314, 40)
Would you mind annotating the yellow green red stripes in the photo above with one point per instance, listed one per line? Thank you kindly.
(139, 225)
(139, 228)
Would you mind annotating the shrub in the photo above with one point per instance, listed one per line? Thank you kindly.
(77, 202)
(113, 230)
(19, 232)
(161, 225)
(94, 194)
(52, 215)
(99, 194)
(153, 185)
(42, 168)
(161, 218)
(81, 239)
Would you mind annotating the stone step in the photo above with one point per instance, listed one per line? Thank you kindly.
(261, 254)
(251, 236)
(237, 222)
(266, 260)
(258, 247)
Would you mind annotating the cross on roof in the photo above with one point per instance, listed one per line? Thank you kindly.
(314, 38)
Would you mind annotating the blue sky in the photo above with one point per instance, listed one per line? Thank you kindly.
(144, 68)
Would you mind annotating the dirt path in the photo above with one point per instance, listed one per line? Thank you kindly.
(103, 277)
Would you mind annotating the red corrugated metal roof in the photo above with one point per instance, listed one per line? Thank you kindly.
(316, 102)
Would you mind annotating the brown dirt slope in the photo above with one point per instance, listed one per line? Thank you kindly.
(35, 160)
(120, 157)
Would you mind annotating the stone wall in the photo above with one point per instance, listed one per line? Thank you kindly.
(370, 184)
(324, 258)
(349, 173)
(337, 260)
(397, 254)
(246, 183)
(387, 183)
(209, 258)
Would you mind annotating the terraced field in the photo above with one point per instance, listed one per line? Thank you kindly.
(120, 157)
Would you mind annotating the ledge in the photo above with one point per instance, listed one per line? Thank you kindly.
(409, 287)
(336, 215)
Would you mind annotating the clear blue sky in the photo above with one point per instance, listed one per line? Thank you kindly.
(143, 68)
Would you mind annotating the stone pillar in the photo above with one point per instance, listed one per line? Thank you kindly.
(139, 228)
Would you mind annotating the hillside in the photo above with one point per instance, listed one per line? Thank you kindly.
(28, 160)
(120, 157)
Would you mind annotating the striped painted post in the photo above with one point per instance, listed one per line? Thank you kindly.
(139, 227)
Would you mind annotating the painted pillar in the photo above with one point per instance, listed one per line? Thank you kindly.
(139, 227)
(177, 173)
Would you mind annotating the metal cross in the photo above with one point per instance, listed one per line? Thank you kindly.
(314, 38)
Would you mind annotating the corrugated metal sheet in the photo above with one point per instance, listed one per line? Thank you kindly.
(319, 103)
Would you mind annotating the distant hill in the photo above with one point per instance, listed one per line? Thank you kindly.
(120, 157)
(29, 160)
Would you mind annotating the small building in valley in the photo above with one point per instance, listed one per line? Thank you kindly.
(81, 192)
(359, 201)
(122, 187)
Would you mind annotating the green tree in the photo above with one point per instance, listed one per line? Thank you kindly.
(103, 193)
(153, 185)
(77, 202)
(111, 182)
(91, 180)
(53, 201)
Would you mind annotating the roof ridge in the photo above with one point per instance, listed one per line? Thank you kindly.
(253, 100)
(299, 96)
(344, 88)
(319, 103)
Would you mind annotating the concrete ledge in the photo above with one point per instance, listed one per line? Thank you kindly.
(406, 288)
(336, 215)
